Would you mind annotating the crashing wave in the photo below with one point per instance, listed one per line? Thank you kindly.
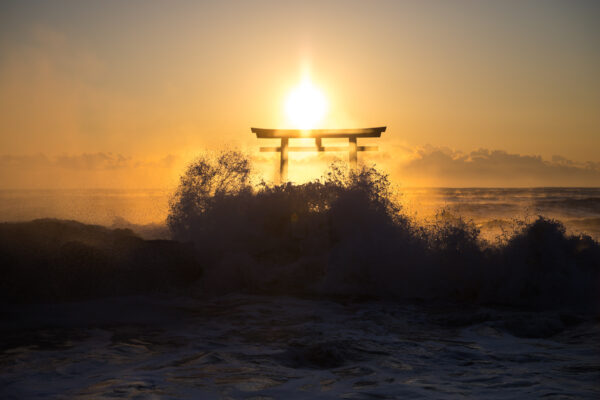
(346, 235)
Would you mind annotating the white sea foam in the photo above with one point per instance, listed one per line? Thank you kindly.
(281, 347)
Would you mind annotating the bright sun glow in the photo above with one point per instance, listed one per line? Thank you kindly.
(306, 106)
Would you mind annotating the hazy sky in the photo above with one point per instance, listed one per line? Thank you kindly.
(139, 87)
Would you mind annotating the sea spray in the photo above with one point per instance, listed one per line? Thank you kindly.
(346, 235)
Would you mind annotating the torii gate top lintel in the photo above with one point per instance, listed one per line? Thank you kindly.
(286, 134)
(317, 133)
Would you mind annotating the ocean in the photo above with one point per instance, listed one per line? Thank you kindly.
(491, 209)
(273, 296)
(257, 347)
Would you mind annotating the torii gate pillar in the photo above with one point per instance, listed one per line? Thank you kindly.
(283, 160)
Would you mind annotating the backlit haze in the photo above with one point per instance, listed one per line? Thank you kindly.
(124, 94)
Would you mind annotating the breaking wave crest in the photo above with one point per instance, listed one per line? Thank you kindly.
(342, 235)
(346, 235)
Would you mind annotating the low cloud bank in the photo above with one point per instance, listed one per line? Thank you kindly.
(436, 166)
(85, 161)
(86, 170)
(420, 166)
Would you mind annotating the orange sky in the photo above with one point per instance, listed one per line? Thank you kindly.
(123, 94)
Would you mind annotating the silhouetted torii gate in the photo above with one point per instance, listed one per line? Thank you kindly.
(318, 134)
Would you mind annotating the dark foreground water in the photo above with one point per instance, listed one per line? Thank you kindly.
(255, 347)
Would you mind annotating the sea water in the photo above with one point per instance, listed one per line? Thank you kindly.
(255, 347)
(190, 345)
(493, 210)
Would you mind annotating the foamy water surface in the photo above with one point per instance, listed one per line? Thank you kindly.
(279, 347)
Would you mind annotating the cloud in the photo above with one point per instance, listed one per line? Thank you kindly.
(24, 162)
(444, 167)
(87, 170)
(85, 161)
(93, 161)
(419, 166)
(435, 166)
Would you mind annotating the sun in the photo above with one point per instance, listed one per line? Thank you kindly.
(306, 105)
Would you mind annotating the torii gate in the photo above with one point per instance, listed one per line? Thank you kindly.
(318, 134)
